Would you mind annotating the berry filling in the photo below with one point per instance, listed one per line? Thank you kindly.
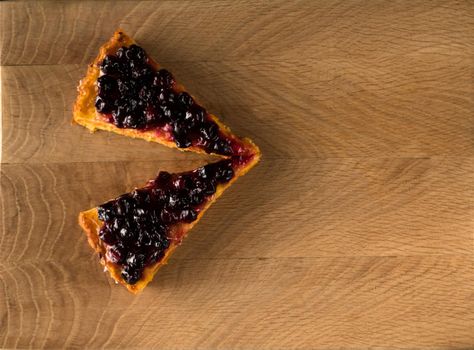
(138, 227)
(133, 94)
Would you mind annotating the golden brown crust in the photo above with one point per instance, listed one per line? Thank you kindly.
(84, 112)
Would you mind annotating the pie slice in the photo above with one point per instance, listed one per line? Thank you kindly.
(137, 232)
(126, 92)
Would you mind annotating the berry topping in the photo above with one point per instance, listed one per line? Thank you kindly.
(137, 227)
(133, 95)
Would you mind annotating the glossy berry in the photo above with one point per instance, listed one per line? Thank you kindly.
(181, 134)
(107, 85)
(165, 79)
(182, 141)
(221, 146)
(135, 121)
(188, 215)
(111, 65)
(208, 187)
(197, 114)
(173, 113)
(209, 131)
(115, 254)
(106, 211)
(131, 274)
(185, 100)
(120, 54)
(101, 105)
(222, 171)
(201, 172)
(155, 256)
(141, 196)
(163, 178)
(196, 196)
(225, 174)
(136, 53)
(107, 236)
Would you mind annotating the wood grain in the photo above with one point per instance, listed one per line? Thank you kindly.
(396, 121)
(345, 207)
(210, 31)
(356, 230)
(300, 303)
(391, 218)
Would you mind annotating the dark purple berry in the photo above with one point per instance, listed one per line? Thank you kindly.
(153, 116)
(197, 114)
(196, 196)
(209, 130)
(107, 236)
(173, 200)
(202, 172)
(185, 100)
(174, 114)
(186, 182)
(141, 196)
(188, 215)
(221, 146)
(146, 94)
(115, 254)
(124, 205)
(116, 225)
(131, 275)
(207, 186)
(134, 121)
(144, 239)
(125, 232)
(105, 211)
(121, 52)
(156, 256)
(159, 195)
(165, 79)
(100, 104)
(182, 141)
(135, 260)
(110, 65)
(143, 74)
(136, 53)
(181, 134)
(129, 89)
(107, 85)
(223, 171)
(168, 215)
(163, 178)
(118, 116)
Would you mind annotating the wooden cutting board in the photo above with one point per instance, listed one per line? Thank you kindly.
(356, 230)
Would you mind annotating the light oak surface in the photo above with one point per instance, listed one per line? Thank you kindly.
(355, 231)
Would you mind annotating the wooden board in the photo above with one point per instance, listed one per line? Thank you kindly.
(355, 231)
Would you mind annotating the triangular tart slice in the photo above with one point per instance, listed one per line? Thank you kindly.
(137, 232)
(126, 92)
